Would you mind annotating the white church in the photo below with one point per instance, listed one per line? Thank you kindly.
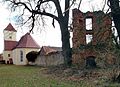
(15, 51)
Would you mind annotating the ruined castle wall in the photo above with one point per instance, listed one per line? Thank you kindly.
(101, 32)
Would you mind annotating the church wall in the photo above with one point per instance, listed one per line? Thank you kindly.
(7, 55)
(17, 55)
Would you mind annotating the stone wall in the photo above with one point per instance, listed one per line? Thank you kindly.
(101, 35)
(51, 59)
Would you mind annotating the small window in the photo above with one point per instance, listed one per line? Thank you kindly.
(8, 55)
(10, 37)
(88, 23)
(21, 56)
(89, 38)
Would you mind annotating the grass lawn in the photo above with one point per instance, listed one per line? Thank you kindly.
(31, 76)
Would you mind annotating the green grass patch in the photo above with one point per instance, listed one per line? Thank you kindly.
(31, 76)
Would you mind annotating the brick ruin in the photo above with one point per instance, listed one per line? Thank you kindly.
(91, 35)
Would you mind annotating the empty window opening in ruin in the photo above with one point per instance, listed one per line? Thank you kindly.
(119, 3)
(90, 62)
(88, 23)
(89, 38)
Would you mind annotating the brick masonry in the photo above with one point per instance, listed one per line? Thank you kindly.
(101, 34)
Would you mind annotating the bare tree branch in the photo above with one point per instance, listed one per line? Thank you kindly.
(79, 4)
(69, 6)
(46, 14)
(21, 3)
(104, 5)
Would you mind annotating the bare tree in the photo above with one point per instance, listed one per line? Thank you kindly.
(115, 13)
(39, 8)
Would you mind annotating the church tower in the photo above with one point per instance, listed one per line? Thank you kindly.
(9, 42)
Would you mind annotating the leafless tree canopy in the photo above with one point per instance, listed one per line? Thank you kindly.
(37, 10)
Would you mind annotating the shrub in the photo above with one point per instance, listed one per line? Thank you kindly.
(31, 56)
(2, 61)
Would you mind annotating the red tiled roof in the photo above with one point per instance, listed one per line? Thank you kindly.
(10, 28)
(45, 50)
(27, 42)
(9, 45)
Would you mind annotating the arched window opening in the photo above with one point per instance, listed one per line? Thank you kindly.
(21, 56)
(90, 62)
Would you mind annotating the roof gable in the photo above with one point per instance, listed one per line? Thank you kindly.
(27, 41)
(45, 50)
(10, 28)
(9, 45)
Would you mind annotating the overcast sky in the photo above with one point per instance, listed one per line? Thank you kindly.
(50, 36)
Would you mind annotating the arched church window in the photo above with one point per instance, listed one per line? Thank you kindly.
(21, 56)
(10, 37)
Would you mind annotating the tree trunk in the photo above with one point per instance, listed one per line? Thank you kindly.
(115, 11)
(65, 35)
(65, 43)
(116, 20)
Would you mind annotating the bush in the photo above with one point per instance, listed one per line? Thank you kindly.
(31, 56)
(2, 61)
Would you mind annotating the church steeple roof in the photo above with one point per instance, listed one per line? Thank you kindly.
(27, 41)
(10, 28)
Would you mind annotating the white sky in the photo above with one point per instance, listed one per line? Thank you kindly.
(51, 36)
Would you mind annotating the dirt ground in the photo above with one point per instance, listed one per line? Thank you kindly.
(98, 77)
